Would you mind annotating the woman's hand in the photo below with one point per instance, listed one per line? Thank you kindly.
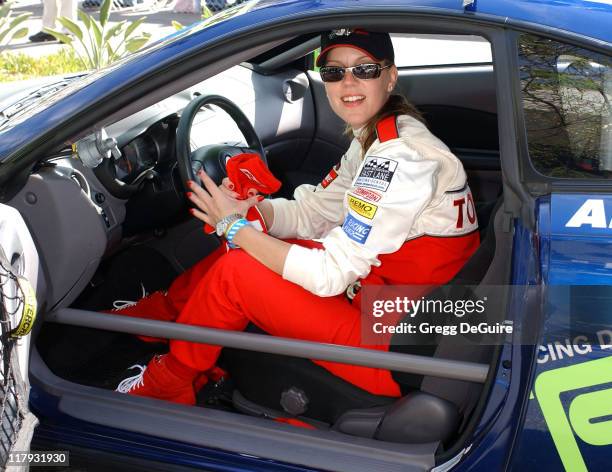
(214, 203)
(228, 188)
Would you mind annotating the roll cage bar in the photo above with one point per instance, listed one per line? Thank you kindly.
(422, 365)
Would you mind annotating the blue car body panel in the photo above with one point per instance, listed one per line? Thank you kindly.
(516, 426)
(574, 359)
(582, 17)
(579, 248)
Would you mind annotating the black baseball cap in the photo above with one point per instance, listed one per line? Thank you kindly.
(376, 45)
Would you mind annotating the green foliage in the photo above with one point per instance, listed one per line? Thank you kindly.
(206, 12)
(10, 26)
(23, 67)
(98, 43)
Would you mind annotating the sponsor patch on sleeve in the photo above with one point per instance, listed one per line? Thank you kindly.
(331, 176)
(361, 207)
(367, 194)
(376, 173)
(356, 230)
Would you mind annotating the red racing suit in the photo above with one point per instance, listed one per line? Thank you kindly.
(402, 214)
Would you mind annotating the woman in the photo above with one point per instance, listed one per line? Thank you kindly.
(393, 211)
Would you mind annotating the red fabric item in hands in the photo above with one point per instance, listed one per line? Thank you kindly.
(247, 171)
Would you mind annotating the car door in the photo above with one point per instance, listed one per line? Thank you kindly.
(566, 96)
(19, 285)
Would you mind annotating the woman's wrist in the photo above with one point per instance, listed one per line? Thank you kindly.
(233, 229)
(267, 211)
(224, 223)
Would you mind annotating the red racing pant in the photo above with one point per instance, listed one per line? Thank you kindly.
(227, 290)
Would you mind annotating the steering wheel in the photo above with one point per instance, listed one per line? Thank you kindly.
(213, 157)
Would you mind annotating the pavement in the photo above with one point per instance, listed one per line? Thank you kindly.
(159, 15)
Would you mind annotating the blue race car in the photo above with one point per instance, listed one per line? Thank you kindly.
(95, 165)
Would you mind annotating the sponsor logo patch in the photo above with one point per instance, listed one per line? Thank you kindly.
(356, 230)
(331, 176)
(249, 175)
(467, 207)
(370, 195)
(376, 173)
(361, 207)
(340, 32)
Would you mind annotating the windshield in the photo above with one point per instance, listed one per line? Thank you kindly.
(26, 102)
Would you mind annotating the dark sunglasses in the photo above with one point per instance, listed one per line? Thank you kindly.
(361, 72)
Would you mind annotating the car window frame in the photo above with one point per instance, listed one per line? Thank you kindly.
(459, 38)
(536, 183)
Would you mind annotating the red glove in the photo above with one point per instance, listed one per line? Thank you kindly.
(246, 172)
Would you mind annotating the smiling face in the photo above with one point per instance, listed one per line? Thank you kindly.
(357, 101)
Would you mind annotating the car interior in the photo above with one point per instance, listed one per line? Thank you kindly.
(111, 234)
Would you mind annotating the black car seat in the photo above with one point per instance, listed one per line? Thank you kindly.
(431, 409)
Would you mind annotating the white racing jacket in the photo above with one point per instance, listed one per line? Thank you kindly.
(405, 188)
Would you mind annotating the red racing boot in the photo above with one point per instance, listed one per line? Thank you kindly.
(154, 306)
(164, 378)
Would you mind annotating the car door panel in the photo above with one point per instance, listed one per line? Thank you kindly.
(21, 286)
(69, 228)
(564, 91)
(568, 414)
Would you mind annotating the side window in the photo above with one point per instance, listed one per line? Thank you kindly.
(417, 50)
(567, 103)
(414, 50)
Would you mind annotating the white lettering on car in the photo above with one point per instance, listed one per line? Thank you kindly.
(592, 213)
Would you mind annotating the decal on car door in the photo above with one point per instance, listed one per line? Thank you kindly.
(589, 416)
